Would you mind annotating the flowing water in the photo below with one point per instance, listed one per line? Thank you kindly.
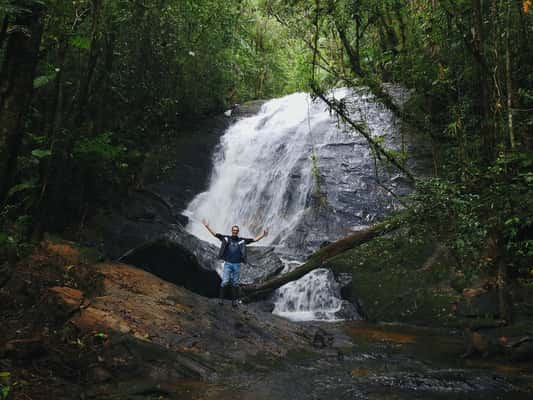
(294, 170)
(379, 362)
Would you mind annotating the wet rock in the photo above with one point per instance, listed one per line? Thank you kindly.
(174, 263)
(521, 349)
(319, 338)
(263, 264)
(479, 302)
(66, 300)
(158, 330)
(154, 211)
(263, 306)
(247, 109)
(345, 283)
(100, 375)
(485, 343)
(206, 253)
(193, 263)
(348, 311)
(23, 349)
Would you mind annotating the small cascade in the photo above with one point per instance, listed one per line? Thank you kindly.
(316, 296)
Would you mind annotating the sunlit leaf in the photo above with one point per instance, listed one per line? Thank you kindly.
(41, 153)
(21, 187)
(43, 80)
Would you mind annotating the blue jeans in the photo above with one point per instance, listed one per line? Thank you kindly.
(231, 273)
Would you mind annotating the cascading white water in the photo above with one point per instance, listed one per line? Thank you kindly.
(251, 183)
(314, 296)
(263, 178)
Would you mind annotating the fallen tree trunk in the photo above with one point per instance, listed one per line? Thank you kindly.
(255, 291)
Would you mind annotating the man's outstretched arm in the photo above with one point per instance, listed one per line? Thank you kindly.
(261, 236)
(206, 224)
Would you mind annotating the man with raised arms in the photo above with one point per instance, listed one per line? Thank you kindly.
(233, 252)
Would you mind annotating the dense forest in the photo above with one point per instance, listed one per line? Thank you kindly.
(87, 88)
(92, 90)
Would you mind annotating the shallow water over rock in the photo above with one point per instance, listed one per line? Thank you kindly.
(382, 362)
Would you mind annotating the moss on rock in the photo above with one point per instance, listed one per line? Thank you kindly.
(399, 278)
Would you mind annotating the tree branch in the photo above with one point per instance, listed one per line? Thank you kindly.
(317, 260)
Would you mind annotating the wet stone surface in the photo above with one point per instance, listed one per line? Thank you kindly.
(383, 363)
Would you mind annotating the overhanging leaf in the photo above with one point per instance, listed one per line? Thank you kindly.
(21, 187)
(43, 80)
(41, 153)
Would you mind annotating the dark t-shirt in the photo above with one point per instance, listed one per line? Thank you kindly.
(232, 252)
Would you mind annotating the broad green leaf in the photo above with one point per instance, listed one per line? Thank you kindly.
(4, 392)
(41, 153)
(43, 80)
(21, 187)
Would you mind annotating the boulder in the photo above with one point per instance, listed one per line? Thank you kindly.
(174, 263)
(162, 332)
(65, 299)
(479, 302)
(263, 264)
(348, 311)
(187, 261)
(24, 349)
(153, 210)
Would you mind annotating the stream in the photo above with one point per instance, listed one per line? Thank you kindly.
(376, 362)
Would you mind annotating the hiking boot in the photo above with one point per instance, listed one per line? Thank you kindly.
(221, 296)
(234, 295)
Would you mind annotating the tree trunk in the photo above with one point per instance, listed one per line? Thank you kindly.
(85, 83)
(103, 84)
(487, 133)
(317, 260)
(3, 31)
(505, 308)
(508, 78)
(56, 113)
(16, 87)
(353, 54)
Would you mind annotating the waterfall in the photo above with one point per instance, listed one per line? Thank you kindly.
(262, 175)
(265, 176)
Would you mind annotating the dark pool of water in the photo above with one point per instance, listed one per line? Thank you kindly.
(374, 362)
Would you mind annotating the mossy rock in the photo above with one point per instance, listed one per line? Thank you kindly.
(395, 280)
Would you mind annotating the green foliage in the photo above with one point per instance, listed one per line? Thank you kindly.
(450, 211)
(391, 280)
(4, 392)
(41, 153)
(19, 6)
(80, 42)
(511, 193)
(21, 187)
(43, 80)
(454, 55)
(97, 149)
(487, 217)
(117, 79)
